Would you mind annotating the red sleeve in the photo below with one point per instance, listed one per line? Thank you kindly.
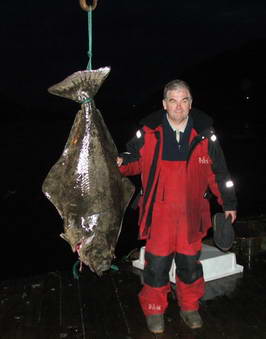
(132, 168)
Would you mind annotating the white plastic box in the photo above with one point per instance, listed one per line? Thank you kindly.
(215, 263)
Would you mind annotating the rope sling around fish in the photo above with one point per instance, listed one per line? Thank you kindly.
(77, 267)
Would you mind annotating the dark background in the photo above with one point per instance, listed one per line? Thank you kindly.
(218, 47)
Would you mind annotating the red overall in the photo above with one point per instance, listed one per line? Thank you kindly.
(168, 241)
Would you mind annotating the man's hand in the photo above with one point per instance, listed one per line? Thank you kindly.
(119, 161)
(232, 214)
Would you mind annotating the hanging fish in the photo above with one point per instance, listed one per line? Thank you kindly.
(85, 184)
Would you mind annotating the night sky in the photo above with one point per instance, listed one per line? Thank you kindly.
(219, 47)
(146, 43)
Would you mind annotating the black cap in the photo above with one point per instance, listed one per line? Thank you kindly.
(223, 232)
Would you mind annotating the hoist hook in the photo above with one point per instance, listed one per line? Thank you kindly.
(86, 7)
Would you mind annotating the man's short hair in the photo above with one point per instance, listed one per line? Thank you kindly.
(174, 85)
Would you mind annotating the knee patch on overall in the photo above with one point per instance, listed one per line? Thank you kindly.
(188, 267)
(156, 272)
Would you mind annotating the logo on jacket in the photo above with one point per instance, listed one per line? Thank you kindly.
(203, 160)
(154, 307)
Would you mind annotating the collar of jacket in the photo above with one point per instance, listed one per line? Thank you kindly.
(202, 122)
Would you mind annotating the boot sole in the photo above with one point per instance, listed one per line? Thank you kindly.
(157, 332)
(193, 327)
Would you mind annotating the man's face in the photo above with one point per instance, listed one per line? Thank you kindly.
(177, 104)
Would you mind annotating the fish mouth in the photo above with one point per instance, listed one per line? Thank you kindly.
(83, 243)
(96, 260)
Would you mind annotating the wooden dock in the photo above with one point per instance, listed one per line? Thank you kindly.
(55, 305)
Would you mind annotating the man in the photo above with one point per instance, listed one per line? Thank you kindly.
(179, 158)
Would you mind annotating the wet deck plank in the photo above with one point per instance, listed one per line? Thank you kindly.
(55, 305)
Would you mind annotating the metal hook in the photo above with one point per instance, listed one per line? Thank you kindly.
(87, 8)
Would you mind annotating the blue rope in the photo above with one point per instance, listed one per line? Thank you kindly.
(90, 40)
(86, 100)
(75, 270)
(114, 268)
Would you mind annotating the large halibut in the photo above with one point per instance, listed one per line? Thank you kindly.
(85, 184)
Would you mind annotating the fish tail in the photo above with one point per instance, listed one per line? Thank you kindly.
(80, 86)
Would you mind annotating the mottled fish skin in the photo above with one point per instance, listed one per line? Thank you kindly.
(85, 184)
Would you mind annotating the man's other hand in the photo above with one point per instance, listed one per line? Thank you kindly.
(232, 214)
(119, 161)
